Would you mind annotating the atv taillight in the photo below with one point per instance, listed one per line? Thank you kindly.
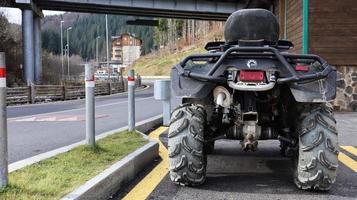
(302, 68)
(251, 76)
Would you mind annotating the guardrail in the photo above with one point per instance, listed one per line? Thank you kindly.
(47, 93)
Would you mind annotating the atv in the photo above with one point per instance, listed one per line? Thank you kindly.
(250, 88)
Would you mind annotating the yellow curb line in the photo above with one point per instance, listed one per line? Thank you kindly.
(144, 188)
(350, 149)
(349, 162)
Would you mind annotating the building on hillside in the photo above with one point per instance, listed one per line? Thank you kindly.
(326, 28)
(126, 48)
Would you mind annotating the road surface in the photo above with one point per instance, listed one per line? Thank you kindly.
(262, 175)
(35, 129)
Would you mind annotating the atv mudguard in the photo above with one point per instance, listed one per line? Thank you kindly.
(317, 91)
(188, 87)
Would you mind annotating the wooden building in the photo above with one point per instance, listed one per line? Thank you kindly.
(126, 48)
(327, 28)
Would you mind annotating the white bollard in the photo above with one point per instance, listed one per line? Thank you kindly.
(3, 124)
(90, 105)
(131, 100)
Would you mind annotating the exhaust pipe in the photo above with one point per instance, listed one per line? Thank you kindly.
(220, 98)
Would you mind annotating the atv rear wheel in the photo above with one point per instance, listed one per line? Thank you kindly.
(317, 162)
(209, 147)
(186, 145)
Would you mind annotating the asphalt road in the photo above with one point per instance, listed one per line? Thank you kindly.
(35, 129)
(231, 173)
(265, 174)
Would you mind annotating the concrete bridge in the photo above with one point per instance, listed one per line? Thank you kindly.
(186, 9)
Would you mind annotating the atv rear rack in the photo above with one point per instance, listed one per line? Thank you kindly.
(255, 51)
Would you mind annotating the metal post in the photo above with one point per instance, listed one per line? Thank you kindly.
(107, 38)
(3, 124)
(90, 110)
(37, 48)
(97, 48)
(28, 47)
(62, 50)
(131, 100)
(162, 91)
(68, 29)
(305, 27)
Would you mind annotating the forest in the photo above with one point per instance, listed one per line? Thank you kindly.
(86, 29)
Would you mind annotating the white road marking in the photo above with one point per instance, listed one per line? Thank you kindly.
(57, 118)
(77, 109)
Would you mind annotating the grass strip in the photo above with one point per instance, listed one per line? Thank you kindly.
(57, 176)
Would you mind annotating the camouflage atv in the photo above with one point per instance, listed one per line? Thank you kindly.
(250, 88)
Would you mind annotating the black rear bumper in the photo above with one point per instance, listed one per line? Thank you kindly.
(268, 52)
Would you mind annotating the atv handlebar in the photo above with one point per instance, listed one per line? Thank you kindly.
(273, 52)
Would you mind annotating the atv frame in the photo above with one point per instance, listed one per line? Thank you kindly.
(302, 121)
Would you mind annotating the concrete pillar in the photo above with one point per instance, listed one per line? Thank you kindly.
(37, 49)
(28, 45)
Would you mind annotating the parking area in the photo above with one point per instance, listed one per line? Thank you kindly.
(265, 174)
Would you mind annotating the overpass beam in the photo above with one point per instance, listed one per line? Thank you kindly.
(28, 45)
(37, 49)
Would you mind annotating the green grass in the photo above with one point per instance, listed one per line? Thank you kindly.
(57, 176)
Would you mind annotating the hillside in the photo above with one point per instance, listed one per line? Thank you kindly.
(53, 22)
(159, 63)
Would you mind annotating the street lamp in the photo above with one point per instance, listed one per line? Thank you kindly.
(107, 38)
(68, 29)
(62, 50)
(96, 48)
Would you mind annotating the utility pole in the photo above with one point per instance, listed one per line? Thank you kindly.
(62, 50)
(107, 38)
(97, 49)
(68, 29)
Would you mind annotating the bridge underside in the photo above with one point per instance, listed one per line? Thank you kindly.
(215, 10)
(193, 9)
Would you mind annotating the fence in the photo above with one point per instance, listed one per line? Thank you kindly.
(45, 93)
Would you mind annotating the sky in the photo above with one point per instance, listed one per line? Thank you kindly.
(14, 14)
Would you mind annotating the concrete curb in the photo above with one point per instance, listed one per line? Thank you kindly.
(142, 126)
(107, 183)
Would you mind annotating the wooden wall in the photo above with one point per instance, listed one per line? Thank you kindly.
(333, 30)
(294, 21)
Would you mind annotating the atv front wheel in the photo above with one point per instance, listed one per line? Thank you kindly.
(186, 145)
(317, 162)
